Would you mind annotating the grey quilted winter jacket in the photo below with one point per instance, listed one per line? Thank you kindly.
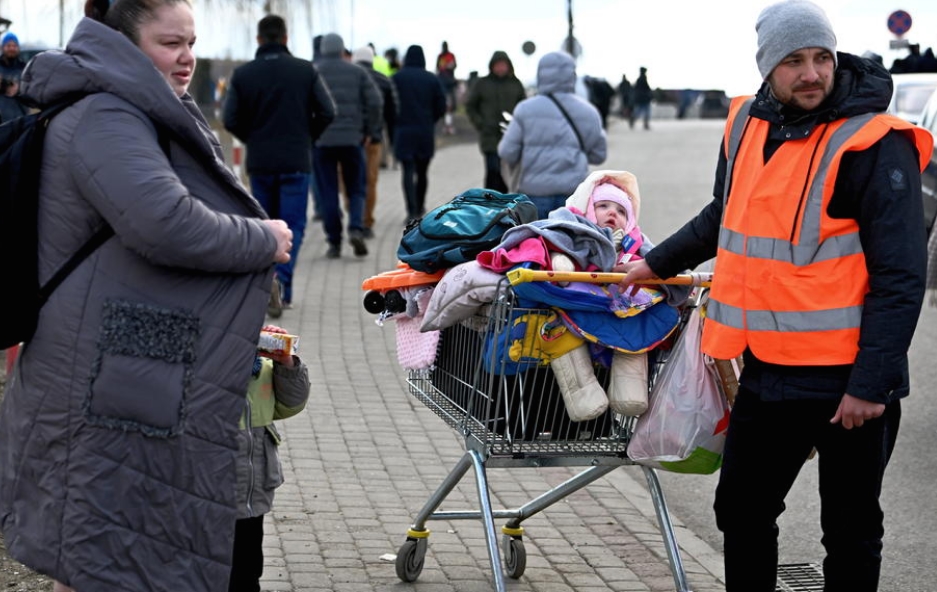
(542, 141)
(118, 431)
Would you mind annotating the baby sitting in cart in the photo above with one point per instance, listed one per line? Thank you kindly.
(610, 200)
(603, 213)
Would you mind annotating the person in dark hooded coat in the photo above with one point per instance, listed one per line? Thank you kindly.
(422, 104)
(491, 96)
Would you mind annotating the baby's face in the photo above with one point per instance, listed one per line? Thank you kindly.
(609, 214)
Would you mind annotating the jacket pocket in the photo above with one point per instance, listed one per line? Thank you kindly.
(143, 370)
(273, 474)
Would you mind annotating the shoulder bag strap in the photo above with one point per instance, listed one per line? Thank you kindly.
(569, 119)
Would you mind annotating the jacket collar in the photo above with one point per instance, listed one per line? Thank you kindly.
(268, 49)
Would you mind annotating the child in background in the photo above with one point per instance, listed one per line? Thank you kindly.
(609, 199)
(278, 388)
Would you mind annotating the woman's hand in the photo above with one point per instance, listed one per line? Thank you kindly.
(284, 238)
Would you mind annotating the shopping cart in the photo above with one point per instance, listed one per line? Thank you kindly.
(511, 420)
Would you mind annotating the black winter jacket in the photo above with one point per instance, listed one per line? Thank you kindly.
(880, 188)
(422, 104)
(278, 105)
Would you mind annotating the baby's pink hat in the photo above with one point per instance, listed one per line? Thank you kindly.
(610, 192)
(613, 193)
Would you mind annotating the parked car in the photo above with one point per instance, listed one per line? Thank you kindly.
(911, 94)
(714, 104)
(929, 176)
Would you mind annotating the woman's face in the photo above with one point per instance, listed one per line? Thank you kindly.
(168, 40)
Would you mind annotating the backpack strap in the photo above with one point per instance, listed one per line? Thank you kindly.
(559, 105)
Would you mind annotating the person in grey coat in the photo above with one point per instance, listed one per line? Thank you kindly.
(341, 147)
(547, 147)
(119, 425)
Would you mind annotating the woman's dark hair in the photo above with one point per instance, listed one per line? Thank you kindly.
(126, 15)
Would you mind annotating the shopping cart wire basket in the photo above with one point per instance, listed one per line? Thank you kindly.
(515, 417)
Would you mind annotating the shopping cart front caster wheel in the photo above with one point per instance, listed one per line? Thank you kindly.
(515, 556)
(410, 559)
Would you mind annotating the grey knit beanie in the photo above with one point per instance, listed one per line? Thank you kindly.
(788, 26)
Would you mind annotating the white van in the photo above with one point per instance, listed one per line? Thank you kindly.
(911, 94)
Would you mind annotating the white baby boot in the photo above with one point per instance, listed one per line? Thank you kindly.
(627, 389)
(583, 395)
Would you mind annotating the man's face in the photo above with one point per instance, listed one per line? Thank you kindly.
(804, 78)
(11, 49)
(500, 68)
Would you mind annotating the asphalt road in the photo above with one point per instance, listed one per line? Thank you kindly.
(674, 163)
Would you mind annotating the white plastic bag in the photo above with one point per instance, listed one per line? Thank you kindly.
(685, 425)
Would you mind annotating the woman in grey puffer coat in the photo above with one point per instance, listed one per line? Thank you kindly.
(118, 431)
(544, 144)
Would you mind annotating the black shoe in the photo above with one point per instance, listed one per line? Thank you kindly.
(356, 238)
(334, 252)
(367, 233)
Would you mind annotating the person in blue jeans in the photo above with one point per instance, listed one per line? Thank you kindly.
(278, 105)
(341, 147)
(284, 196)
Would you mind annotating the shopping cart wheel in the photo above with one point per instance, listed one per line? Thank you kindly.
(515, 556)
(410, 559)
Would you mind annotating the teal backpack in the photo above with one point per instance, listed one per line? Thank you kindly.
(457, 231)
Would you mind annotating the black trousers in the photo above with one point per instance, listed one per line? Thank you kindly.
(247, 563)
(415, 180)
(493, 178)
(767, 444)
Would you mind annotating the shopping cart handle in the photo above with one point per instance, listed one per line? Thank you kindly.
(522, 275)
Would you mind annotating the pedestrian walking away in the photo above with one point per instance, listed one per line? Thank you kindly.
(278, 389)
(491, 96)
(340, 149)
(422, 104)
(553, 136)
(118, 428)
(375, 149)
(818, 282)
(641, 96)
(278, 105)
(445, 69)
(624, 97)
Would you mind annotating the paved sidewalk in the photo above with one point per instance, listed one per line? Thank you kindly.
(364, 457)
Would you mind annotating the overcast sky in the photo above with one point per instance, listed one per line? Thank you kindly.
(683, 43)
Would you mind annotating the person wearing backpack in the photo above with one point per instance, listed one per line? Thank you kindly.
(119, 425)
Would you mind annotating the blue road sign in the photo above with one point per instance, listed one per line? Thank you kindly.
(899, 22)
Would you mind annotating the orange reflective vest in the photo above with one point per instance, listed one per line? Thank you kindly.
(790, 281)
